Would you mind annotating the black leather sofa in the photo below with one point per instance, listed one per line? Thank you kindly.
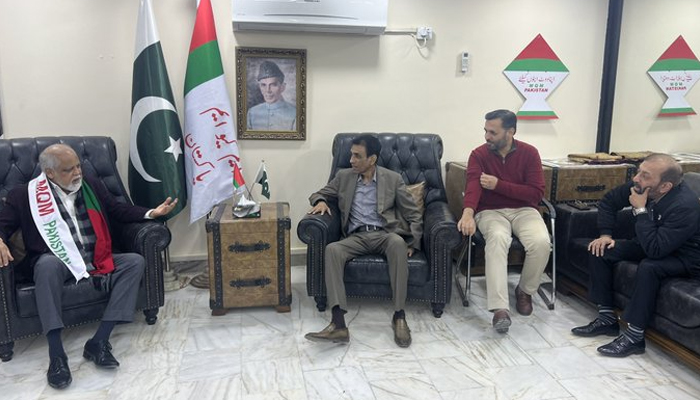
(678, 307)
(417, 158)
(82, 303)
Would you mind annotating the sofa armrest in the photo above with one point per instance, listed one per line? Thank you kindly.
(440, 236)
(317, 231)
(143, 237)
(7, 301)
(573, 223)
(148, 238)
(317, 228)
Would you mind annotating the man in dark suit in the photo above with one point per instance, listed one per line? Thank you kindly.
(377, 215)
(63, 217)
(667, 244)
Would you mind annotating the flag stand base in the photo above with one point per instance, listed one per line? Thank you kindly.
(171, 281)
(201, 281)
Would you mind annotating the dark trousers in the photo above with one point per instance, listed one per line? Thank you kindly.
(50, 274)
(650, 274)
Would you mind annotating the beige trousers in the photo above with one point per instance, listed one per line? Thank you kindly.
(498, 226)
(374, 242)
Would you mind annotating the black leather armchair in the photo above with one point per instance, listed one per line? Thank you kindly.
(417, 158)
(82, 303)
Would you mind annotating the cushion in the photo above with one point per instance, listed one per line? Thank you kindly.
(417, 191)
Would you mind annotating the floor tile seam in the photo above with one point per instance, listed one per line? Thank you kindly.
(482, 375)
(430, 382)
(330, 369)
(620, 377)
(277, 372)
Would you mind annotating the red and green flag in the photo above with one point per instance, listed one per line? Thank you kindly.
(676, 72)
(536, 72)
(238, 181)
(211, 154)
(156, 168)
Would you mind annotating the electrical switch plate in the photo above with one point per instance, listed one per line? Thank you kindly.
(465, 62)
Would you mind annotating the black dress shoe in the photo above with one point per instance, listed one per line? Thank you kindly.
(100, 353)
(596, 328)
(58, 375)
(622, 347)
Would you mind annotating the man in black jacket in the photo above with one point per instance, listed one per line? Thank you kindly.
(667, 244)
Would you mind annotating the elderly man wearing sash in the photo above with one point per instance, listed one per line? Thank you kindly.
(63, 217)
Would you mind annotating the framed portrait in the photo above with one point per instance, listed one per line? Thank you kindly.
(271, 93)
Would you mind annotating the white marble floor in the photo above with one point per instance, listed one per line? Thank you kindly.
(260, 354)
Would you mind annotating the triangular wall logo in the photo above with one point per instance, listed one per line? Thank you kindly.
(536, 72)
(675, 72)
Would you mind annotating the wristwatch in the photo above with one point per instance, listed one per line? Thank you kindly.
(640, 210)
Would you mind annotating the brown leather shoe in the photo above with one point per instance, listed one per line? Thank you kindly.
(402, 335)
(330, 334)
(501, 320)
(523, 302)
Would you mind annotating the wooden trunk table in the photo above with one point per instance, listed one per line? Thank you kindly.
(249, 259)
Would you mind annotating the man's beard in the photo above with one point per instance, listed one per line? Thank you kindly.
(653, 191)
(497, 145)
(74, 187)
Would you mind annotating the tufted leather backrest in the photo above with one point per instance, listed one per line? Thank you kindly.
(19, 161)
(692, 179)
(416, 156)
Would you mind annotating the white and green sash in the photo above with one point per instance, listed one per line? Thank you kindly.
(52, 228)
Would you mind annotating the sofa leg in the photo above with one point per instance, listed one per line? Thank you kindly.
(151, 315)
(437, 309)
(6, 351)
(321, 303)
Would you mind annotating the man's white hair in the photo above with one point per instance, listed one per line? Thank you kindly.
(48, 159)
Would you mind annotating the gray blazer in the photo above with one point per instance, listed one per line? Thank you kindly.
(395, 205)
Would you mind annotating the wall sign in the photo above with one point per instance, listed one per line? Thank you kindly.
(675, 72)
(536, 72)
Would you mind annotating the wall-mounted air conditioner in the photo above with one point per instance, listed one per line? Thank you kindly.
(366, 17)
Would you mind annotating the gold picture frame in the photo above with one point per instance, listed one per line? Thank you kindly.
(271, 93)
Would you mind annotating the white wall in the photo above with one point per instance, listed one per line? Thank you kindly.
(65, 68)
(637, 98)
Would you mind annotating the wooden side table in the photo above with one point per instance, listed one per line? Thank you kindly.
(249, 259)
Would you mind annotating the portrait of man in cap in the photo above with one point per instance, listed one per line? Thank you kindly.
(274, 113)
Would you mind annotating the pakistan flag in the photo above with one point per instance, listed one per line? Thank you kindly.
(156, 164)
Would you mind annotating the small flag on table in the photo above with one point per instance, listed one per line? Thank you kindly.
(238, 181)
(261, 178)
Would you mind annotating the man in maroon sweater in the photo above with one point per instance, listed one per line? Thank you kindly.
(505, 184)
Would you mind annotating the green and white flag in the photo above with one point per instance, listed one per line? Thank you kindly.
(261, 178)
(210, 133)
(156, 168)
